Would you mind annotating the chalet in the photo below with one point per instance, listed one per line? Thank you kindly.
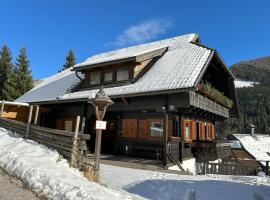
(171, 91)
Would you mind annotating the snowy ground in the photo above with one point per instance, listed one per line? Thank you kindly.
(258, 145)
(161, 186)
(40, 169)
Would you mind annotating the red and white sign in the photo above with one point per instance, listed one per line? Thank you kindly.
(101, 124)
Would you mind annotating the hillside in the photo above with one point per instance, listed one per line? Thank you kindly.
(257, 70)
(254, 102)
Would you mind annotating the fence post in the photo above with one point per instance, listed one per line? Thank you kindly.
(2, 108)
(29, 121)
(83, 125)
(74, 154)
(36, 115)
(267, 168)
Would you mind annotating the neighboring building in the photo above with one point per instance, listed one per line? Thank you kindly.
(147, 83)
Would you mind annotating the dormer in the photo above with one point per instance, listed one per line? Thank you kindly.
(117, 67)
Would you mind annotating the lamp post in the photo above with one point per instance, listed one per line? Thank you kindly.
(100, 102)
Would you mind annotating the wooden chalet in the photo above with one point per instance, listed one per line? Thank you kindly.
(162, 106)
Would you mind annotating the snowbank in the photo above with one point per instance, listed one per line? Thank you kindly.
(40, 169)
(258, 145)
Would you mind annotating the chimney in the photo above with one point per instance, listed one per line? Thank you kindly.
(252, 129)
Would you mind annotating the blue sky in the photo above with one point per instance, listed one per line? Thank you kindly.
(238, 29)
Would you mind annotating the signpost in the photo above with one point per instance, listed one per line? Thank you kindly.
(100, 102)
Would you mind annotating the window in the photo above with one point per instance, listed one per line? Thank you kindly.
(108, 76)
(156, 128)
(122, 74)
(94, 78)
(187, 131)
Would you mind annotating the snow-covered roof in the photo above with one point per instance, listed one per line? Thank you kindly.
(180, 67)
(258, 146)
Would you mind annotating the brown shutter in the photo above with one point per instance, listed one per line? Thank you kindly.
(202, 131)
(170, 127)
(130, 127)
(213, 132)
(193, 131)
(60, 124)
(143, 129)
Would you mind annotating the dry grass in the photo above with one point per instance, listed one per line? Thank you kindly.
(90, 173)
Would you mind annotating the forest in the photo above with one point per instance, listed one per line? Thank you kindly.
(254, 102)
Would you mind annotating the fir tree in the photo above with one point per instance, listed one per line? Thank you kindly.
(22, 74)
(7, 89)
(70, 60)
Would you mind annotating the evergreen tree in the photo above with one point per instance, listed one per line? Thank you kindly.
(22, 74)
(70, 60)
(7, 89)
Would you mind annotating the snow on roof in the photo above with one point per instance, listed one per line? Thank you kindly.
(178, 68)
(258, 146)
(51, 87)
(136, 50)
(241, 84)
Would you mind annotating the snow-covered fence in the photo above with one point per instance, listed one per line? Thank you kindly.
(60, 140)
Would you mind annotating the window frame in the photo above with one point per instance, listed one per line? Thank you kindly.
(108, 71)
(100, 77)
(122, 68)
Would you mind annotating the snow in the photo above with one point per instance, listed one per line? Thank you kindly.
(178, 68)
(133, 51)
(41, 170)
(258, 146)
(241, 83)
(189, 165)
(235, 144)
(162, 186)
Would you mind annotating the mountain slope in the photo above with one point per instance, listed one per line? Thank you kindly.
(254, 102)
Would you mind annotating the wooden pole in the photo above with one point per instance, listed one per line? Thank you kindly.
(74, 155)
(29, 121)
(165, 137)
(83, 125)
(2, 108)
(36, 115)
(97, 149)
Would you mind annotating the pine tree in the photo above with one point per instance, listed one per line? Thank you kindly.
(22, 74)
(7, 88)
(70, 60)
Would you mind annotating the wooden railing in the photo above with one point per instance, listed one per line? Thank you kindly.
(59, 140)
(227, 169)
(14, 126)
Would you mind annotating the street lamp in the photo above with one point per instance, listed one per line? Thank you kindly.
(100, 102)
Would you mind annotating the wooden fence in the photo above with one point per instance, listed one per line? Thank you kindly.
(227, 169)
(59, 140)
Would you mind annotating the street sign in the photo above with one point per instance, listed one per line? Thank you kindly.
(101, 124)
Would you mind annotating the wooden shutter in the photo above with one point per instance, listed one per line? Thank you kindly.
(60, 124)
(129, 127)
(202, 131)
(193, 130)
(213, 132)
(170, 127)
(143, 129)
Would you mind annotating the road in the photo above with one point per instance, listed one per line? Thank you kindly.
(12, 188)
